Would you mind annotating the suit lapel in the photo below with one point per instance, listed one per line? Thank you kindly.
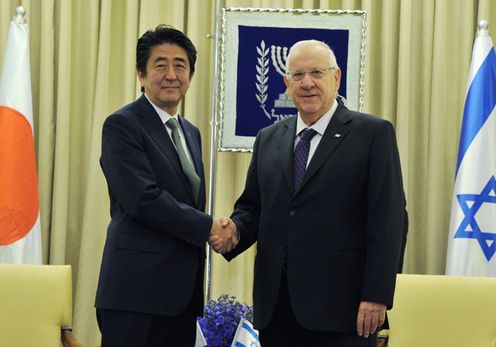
(335, 132)
(153, 126)
(285, 150)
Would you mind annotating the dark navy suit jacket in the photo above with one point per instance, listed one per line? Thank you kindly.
(155, 246)
(340, 234)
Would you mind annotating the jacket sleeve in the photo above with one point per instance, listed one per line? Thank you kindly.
(385, 217)
(247, 208)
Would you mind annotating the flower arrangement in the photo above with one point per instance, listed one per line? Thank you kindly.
(221, 318)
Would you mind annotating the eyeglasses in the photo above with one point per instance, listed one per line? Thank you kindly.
(314, 74)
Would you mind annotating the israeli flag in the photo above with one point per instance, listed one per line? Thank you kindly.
(245, 335)
(200, 338)
(472, 233)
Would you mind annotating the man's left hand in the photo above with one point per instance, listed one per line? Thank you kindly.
(371, 315)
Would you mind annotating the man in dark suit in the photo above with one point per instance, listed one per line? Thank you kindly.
(150, 289)
(324, 200)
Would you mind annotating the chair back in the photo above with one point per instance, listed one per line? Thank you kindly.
(35, 302)
(443, 311)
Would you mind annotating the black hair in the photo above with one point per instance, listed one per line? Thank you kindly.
(163, 34)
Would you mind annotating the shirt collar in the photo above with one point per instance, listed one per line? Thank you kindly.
(320, 125)
(164, 116)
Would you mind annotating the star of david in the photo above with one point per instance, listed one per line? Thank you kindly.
(469, 228)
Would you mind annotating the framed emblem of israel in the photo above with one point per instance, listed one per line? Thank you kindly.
(254, 44)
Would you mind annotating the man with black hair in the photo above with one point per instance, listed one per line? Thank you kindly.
(150, 288)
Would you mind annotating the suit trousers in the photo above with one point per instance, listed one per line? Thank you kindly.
(131, 329)
(285, 330)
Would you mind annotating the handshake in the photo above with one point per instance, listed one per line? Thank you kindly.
(223, 235)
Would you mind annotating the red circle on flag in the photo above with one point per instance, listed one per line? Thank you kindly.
(18, 182)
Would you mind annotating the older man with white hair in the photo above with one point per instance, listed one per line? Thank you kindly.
(324, 201)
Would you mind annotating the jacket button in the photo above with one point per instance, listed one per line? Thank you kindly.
(292, 213)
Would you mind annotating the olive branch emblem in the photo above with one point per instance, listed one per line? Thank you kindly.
(262, 76)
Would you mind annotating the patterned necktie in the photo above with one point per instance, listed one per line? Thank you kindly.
(187, 165)
(301, 156)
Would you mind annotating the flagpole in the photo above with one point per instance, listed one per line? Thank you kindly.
(482, 28)
(19, 16)
(213, 141)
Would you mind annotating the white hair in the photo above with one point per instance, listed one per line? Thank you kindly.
(300, 44)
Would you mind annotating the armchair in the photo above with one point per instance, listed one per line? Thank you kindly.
(36, 306)
(443, 311)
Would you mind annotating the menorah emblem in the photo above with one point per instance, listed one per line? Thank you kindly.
(279, 62)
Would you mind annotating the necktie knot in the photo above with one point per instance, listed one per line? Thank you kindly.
(307, 134)
(172, 123)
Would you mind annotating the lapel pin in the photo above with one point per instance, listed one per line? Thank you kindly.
(337, 135)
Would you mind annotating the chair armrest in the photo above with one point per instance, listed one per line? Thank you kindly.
(382, 338)
(68, 339)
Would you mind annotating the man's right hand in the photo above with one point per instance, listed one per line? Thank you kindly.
(223, 235)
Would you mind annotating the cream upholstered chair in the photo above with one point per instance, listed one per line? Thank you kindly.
(35, 306)
(443, 311)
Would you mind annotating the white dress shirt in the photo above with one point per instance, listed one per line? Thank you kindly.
(319, 126)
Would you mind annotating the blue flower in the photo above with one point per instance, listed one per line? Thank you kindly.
(221, 318)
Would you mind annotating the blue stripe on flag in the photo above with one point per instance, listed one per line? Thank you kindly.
(480, 102)
(250, 330)
(239, 344)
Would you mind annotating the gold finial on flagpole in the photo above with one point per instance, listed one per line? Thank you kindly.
(482, 28)
(19, 16)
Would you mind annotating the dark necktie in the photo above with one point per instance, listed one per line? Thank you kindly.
(187, 165)
(301, 156)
